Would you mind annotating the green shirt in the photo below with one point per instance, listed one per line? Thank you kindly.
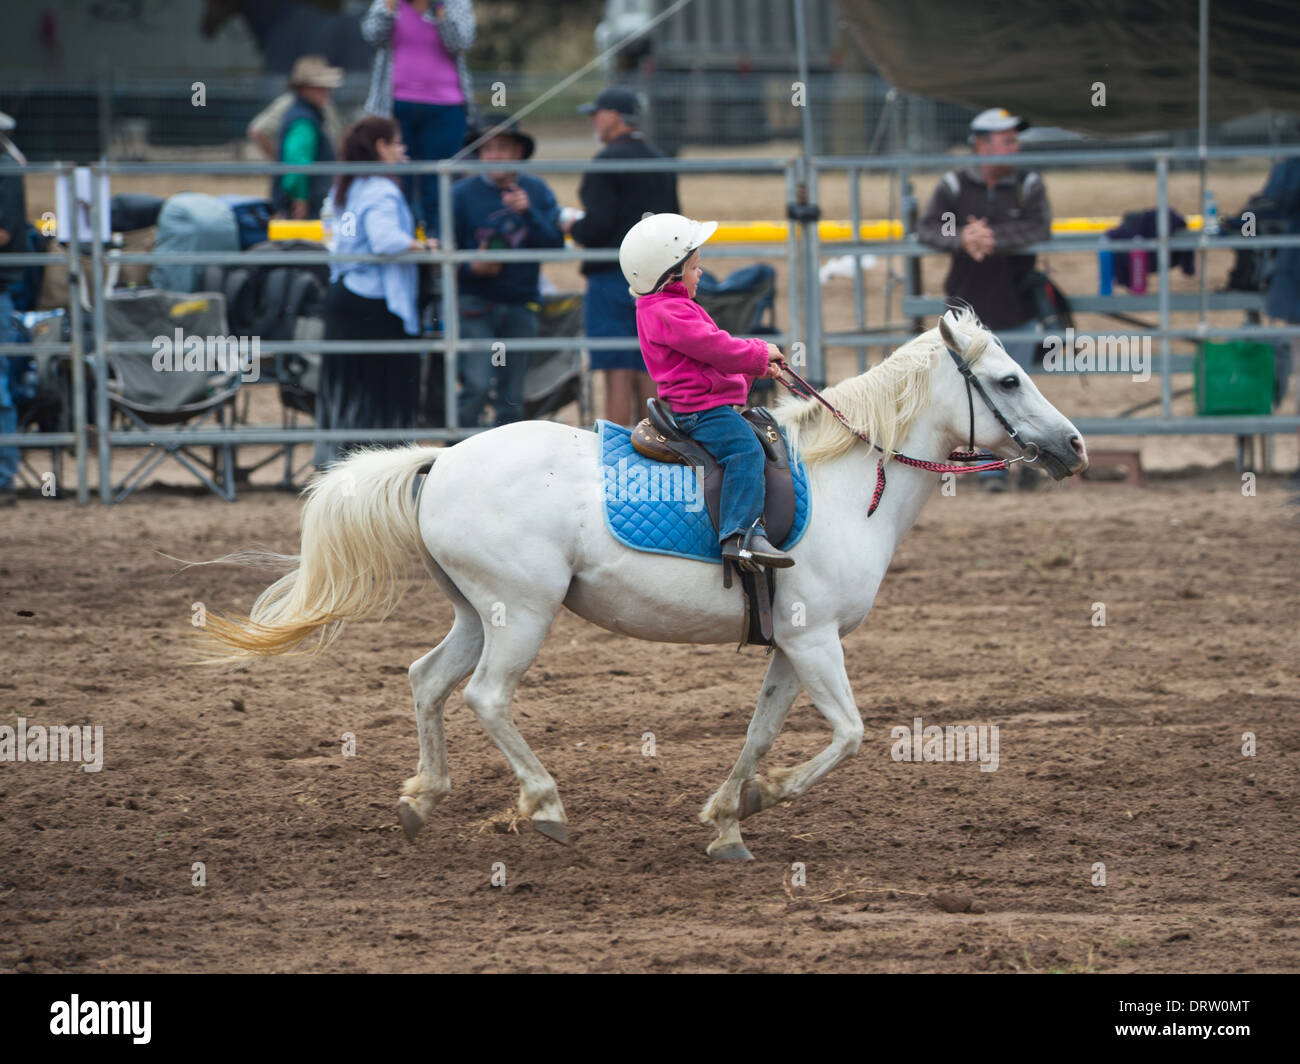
(299, 147)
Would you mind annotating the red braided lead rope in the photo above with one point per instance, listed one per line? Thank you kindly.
(983, 461)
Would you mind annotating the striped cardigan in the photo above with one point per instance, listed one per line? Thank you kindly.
(457, 28)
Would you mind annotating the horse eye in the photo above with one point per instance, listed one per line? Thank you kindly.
(1010, 383)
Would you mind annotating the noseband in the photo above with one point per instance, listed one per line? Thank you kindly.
(983, 460)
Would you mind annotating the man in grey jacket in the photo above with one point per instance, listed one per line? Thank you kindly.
(984, 215)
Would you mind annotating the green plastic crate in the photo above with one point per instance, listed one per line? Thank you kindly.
(1235, 377)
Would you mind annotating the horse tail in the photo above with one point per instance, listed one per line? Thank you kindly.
(360, 528)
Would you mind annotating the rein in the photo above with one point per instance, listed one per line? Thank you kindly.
(984, 461)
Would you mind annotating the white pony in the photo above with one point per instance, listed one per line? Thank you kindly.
(510, 525)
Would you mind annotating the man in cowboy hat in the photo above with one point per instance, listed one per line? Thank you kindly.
(500, 209)
(13, 233)
(303, 139)
(984, 214)
(264, 129)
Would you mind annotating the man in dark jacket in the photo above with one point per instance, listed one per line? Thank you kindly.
(614, 202)
(983, 215)
(303, 139)
(1283, 188)
(13, 232)
(500, 209)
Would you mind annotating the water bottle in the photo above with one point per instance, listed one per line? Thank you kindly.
(1105, 272)
(1137, 270)
(327, 223)
(1210, 222)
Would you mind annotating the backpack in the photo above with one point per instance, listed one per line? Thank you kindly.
(278, 302)
(1051, 307)
(1252, 269)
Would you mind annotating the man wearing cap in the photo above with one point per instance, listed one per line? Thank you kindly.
(264, 130)
(614, 202)
(983, 214)
(303, 140)
(500, 209)
(13, 230)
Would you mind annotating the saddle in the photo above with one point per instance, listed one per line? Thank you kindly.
(658, 438)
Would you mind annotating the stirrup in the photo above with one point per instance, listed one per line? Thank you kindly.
(735, 551)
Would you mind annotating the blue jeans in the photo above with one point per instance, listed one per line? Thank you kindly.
(482, 319)
(9, 334)
(727, 436)
(431, 131)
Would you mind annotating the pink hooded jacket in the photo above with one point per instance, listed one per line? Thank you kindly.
(696, 365)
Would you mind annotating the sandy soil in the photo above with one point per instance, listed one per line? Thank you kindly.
(1119, 744)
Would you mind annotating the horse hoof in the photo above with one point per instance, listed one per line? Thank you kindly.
(733, 851)
(411, 820)
(553, 829)
(751, 799)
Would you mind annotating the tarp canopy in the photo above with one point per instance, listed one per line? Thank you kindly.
(1042, 60)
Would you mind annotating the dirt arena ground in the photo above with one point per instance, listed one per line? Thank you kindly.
(1119, 744)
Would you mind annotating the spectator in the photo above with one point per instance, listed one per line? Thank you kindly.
(500, 209)
(1283, 303)
(13, 231)
(420, 78)
(303, 139)
(983, 215)
(370, 301)
(614, 202)
(264, 129)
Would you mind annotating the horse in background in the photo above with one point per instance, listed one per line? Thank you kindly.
(286, 30)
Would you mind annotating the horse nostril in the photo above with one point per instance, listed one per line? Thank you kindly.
(1076, 443)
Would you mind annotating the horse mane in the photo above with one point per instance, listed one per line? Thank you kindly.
(881, 403)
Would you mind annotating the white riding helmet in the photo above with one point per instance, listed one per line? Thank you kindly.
(656, 245)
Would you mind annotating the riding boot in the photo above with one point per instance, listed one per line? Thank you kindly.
(753, 550)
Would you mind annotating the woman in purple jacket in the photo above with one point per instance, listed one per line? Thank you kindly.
(703, 373)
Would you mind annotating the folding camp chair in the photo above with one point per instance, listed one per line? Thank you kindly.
(145, 397)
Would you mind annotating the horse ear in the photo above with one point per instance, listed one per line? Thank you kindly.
(952, 338)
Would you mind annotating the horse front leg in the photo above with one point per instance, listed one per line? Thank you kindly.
(738, 796)
(818, 659)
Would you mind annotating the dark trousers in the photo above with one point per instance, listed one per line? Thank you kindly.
(363, 391)
(727, 436)
(431, 131)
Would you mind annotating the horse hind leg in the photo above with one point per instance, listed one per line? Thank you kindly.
(741, 794)
(508, 652)
(433, 678)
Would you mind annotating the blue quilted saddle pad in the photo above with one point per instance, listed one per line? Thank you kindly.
(658, 507)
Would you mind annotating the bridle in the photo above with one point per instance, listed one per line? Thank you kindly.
(983, 460)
